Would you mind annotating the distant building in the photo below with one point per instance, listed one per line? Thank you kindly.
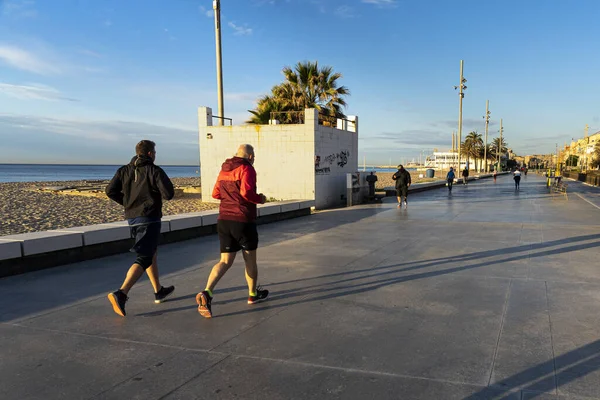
(579, 151)
(443, 160)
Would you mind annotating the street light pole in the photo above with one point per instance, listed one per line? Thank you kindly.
(487, 123)
(500, 148)
(217, 8)
(461, 95)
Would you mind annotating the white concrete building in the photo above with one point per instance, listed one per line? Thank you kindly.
(306, 161)
(443, 160)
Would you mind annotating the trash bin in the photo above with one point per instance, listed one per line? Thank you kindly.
(430, 173)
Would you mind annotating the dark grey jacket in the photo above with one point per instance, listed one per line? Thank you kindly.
(402, 178)
(140, 187)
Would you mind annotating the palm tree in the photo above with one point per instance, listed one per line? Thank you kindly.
(473, 146)
(266, 105)
(483, 153)
(498, 149)
(305, 86)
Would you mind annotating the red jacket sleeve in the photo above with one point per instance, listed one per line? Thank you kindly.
(216, 194)
(248, 185)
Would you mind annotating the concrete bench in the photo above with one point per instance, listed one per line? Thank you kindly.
(46, 242)
(10, 249)
(103, 233)
(559, 188)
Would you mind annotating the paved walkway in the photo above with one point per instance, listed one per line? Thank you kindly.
(489, 293)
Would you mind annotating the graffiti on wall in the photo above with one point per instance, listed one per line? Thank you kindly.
(356, 182)
(343, 158)
(323, 166)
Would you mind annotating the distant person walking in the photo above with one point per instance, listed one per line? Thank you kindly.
(495, 175)
(517, 178)
(465, 175)
(140, 187)
(450, 178)
(371, 179)
(403, 181)
(236, 226)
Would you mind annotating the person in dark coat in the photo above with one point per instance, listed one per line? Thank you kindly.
(465, 175)
(403, 181)
(450, 178)
(371, 179)
(140, 187)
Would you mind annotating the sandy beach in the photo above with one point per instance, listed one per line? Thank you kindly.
(26, 209)
(384, 179)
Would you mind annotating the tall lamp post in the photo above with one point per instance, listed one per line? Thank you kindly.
(500, 148)
(217, 8)
(462, 87)
(487, 124)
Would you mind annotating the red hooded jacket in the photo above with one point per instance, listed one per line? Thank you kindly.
(236, 188)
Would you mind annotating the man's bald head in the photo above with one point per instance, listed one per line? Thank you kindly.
(246, 151)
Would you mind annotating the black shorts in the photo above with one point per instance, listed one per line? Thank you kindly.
(235, 236)
(402, 191)
(146, 235)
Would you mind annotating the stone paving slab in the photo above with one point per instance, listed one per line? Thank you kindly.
(487, 293)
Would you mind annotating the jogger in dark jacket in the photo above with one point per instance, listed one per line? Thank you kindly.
(140, 187)
(403, 182)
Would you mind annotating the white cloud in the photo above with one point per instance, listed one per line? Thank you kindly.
(381, 3)
(19, 8)
(33, 92)
(345, 12)
(206, 12)
(26, 61)
(240, 30)
(112, 130)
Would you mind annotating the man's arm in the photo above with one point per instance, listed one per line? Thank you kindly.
(114, 190)
(216, 193)
(247, 185)
(165, 186)
(409, 178)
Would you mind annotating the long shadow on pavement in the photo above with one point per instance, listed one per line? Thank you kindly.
(345, 287)
(92, 278)
(565, 369)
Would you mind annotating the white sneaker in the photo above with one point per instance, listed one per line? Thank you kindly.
(405, 204)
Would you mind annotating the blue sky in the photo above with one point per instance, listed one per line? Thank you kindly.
(83, 81)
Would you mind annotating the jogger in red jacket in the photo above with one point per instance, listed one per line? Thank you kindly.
(236, 225)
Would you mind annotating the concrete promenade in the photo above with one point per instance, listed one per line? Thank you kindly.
(485, 294)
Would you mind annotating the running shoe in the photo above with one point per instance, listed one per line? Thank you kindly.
(261, 295)
(118, 300)
(204, 300)
(163, 293)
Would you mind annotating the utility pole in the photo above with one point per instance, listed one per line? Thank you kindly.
(587, 142)
(217, 8)
(461, 95)
(487, 124)
(500, 148)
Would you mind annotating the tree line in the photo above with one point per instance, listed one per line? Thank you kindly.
(474, 148)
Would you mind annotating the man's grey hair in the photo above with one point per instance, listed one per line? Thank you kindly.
(245, 151)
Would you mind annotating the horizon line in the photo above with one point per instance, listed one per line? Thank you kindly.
(100, 165)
